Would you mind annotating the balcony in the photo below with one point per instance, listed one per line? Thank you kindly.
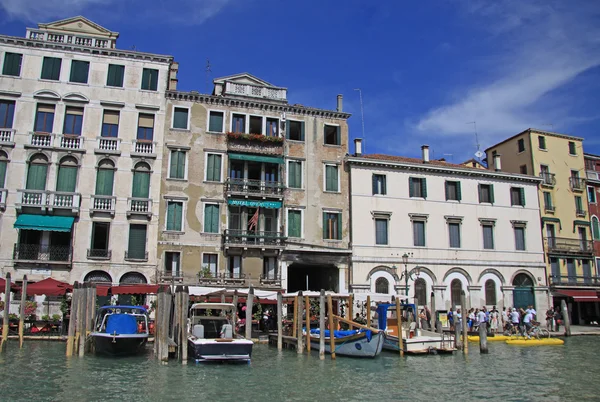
(580, 213)
(170, 276)
(548, 179)
(259, 239)
(48, 200)
(574, 280)
(255, 188)
(99, 254)
(233, 88)
(569, 246)
(234, 278)
(210, 278)
(592, 175)
(103, 204)
(577, 184)
(40, 140)
(58, 141)
(270, 280)
(139, 206)
(108, 145)
(254, 143)
(549, 208)
(37, 253)
(68, 142)
(7, 136)
(143, 148)
(136, 256)
(77, 40)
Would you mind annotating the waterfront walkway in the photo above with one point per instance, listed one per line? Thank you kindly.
(577, 330)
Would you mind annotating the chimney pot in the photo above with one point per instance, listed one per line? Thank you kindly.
(358, 147)
(340, 102)
(497, 163)
(425, 153)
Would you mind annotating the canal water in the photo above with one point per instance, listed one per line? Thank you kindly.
(40, 372)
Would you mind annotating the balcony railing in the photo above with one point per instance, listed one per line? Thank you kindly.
(143, 147)
(7, 135)
(99, 254)
(255, 143)
(170, 276)
(41, 140)
(136, 255)
(64, 200)
(214, 278)
(248, 238)
(577, 183)
(231, 278)
(139, 206)
(270, 279)
(48, 199)
(580, 212)
(548, 179)
(254, 187)
(255, 91)
(549, 208)
(33, 198)
(103, 203)
(66, 141)
(108, 145)
(62, 141)
(38, 252)
(592, 175)
(574, 280)
(572, 246)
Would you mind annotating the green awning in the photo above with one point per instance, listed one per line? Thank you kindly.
(256, 158)
(551, 220)
(252, 203)
(44, 222)
(580, 223)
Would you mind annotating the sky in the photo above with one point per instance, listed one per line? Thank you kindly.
(453, 74)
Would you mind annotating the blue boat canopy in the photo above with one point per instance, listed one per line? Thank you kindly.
(121, 324)
(44, 223)
(382, 310)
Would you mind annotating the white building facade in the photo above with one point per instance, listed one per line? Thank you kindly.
(81, 128)
(458, 228)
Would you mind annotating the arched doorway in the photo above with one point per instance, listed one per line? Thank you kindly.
(382, 286)
(523, 295)
(101, 278)
(455, 289)
(132, 278)
(421, 292)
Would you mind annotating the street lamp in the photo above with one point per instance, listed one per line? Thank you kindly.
(405, 274)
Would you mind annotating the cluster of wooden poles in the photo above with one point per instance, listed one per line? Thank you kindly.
(82, 318)
(5, 322)
(170, 323)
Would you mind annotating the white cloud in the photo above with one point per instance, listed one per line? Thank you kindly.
(543, 47)
(46, 10)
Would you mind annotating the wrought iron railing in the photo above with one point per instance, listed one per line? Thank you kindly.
(548, 179)
(254, 187)
(38, 252)
(136, 255)
(170, 276)
(99, 254)
(254, 238)
(575, 246)
(270, 279)
(574, 280)
(577, 183)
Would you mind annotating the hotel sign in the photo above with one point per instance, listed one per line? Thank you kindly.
(252, 203)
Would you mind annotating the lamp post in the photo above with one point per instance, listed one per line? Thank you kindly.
(405, 274)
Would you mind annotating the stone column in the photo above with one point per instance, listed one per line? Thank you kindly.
(507, 291)
(442, 297)
(476, 298)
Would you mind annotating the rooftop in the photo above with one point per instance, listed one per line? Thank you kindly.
(537, 131)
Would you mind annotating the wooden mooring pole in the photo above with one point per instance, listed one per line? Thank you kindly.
(322, 325)
(90, 315)
(463, 307)
(433, 323)
(279, 321)
(249, 306)
(234, 319)
(566, 318)
(483, 348)
(307, 308)
(369, 310)
(157, 321)
(177, 320)
(457, 340)
(299, 334)
(71, 334)
(6, 316)
(295, 317)
(81, 319)
(165, 323)
(350, 315)
(22, 310)
(185, 300)
(399, 320)
(331, 327)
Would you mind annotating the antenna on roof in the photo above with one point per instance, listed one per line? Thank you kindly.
(208, 71)
(478, 154)
(362, 115)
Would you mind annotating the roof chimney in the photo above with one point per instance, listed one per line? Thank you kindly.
(425, 153)
(358, 147)
(340, 102)
(497, 163)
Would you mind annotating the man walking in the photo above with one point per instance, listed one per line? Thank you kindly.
(550, 319)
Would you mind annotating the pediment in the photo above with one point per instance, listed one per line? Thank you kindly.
(76, 97)
(78, 25)
(244, 78)
(47, 94)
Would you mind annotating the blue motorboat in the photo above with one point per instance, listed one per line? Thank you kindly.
(120, 330)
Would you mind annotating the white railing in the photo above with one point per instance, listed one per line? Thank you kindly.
(63, 200)
(592, 175)
(139, 205)
(101, 43)
(143, 147)
(255, 91)
(103, 203)
(37, 35)
(109, 144)
(50, 199)
(40, 139)
(83, 41)
(33, 198)
(55, 38)
(3, 196)
(7, 134)
(69, 141)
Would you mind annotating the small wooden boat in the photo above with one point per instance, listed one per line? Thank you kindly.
(211, 336)
(120, 330)
(353, 343)
(536, 342)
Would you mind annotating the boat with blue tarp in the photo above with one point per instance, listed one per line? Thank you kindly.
(120, 330)
(354, 343)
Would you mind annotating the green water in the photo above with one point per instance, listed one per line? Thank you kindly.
(40, 372)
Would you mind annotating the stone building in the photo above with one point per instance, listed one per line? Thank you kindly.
(81, 134)
(423, 228)
(253, 189)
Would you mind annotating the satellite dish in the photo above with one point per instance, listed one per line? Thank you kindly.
(479, 154)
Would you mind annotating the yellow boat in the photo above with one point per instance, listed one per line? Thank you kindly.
(496, 338)
(536, 342)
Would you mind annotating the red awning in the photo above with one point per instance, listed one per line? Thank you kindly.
(13, 287)
(134, 289)
(579, 295)
(102, 289)
(49, 287)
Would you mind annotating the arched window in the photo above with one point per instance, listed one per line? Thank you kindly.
(490, 292)
(522, 280)
(141, 181)
(382, 285)
(98, 276)
(421, 292)
(133, 277)
(3, 166)
(67, 175)
(105, 177)
(595, 228)
(37, 172)
(455, 289)
(523, 292)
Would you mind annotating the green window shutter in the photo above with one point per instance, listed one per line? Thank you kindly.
(479, 191)
(170, 215)
(339, 227)
(211, 218)
(115, 75)
(67, 178)
(446, 189)
(210, 168)
(215, 123)
(458, 192)
(331, 179)
(104, 181)
(137, 242)
(177, 215)
(12, 64)
(424, 187)
(217, 167)
(149, 79)
(79, 71)
(141, 185)
(298, 174)
(338, 135)
(301, 131)
(374, 184)
(522, 196)
(491, 193)
(36, 177)
(411, 191)
(51, 68)
(294, 225)
(287, 130)
(325, 225)
(215, 219)
(180, 118)
(177, 168)
(3, 165)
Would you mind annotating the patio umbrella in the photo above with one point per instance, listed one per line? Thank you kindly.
(13, 287)
(49, 287)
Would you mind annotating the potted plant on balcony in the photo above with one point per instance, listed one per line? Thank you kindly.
(254, 138)
(56, 318)
(205, 272)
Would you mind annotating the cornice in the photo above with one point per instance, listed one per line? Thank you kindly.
(450, 170)
(269, 106)
(68, 47)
